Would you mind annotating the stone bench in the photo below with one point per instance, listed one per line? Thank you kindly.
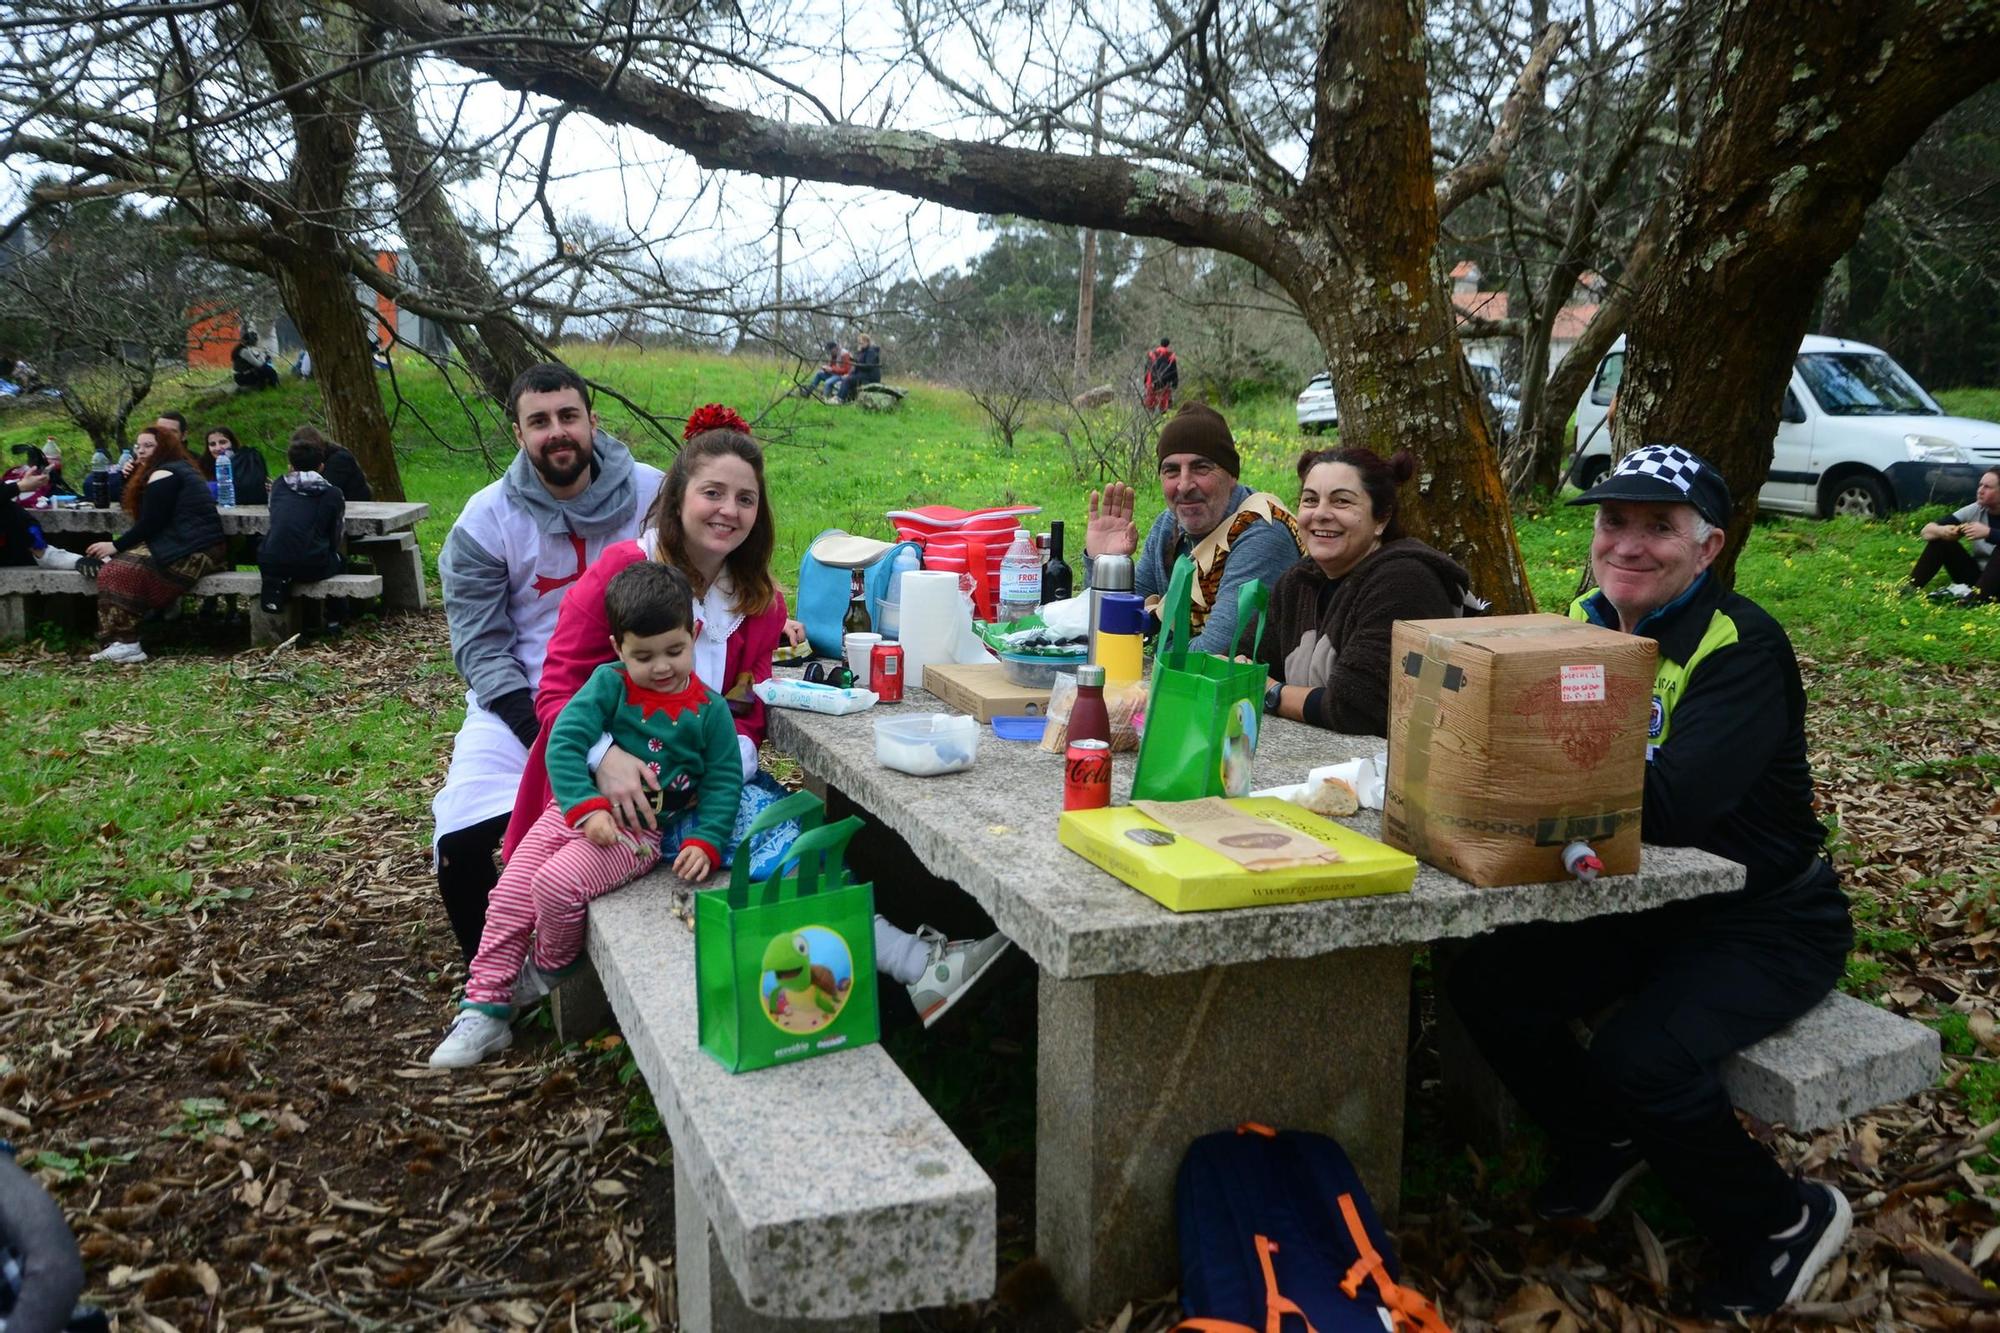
(1841, 1058)
(880, 397)
(816, 1195)
(1844, 1057)
(18, 585)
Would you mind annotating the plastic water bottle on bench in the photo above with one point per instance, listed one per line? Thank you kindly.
(225, 481)
(1020, 578)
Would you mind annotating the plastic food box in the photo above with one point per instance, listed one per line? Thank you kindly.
(1020, 728)
(928, 744)
(1038, 672)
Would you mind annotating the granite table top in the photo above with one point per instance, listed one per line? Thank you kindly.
(365, 518)
(992, 830)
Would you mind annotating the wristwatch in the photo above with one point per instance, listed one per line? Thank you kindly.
(1272, 694)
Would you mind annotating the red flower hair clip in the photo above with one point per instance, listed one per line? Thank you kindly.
(714, 416)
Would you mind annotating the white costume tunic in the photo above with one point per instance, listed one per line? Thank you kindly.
(511, 555)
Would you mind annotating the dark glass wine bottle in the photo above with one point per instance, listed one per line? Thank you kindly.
(856, 620)
(1057, 582)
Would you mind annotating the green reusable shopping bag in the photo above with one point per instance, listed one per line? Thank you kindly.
(785, 967)
(1204, 710)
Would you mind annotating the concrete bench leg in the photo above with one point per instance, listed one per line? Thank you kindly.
(402, 571)
(706, 1295)
(266, 628)
(13, 618)
(1134, 1068)
(579, 1006)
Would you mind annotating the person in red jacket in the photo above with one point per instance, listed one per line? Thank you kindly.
(1163, 376)
(839, 365)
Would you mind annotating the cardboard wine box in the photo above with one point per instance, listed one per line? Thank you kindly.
(983, 691)
(1511, 737)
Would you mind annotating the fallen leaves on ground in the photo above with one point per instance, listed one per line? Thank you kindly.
(231, 1105)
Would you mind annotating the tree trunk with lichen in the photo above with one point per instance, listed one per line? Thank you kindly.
(1365, 275)
(1815, 102)
(318, 293)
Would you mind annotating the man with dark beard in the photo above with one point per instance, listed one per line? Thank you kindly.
(516, 548)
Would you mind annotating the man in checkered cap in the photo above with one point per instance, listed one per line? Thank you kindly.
(1726, 771)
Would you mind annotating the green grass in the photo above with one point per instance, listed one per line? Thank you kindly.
(132, 784)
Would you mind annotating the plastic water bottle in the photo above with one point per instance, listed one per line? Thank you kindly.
(127, 457)
(97, 488)
(906, 560)
(225, 481)
(1020, 578)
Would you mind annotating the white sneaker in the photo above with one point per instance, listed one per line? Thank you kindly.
(952, 969)
(474, 1036)
(120, 654)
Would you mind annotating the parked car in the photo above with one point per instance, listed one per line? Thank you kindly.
(1318, 413)
(1504, 398)
(1857, 435)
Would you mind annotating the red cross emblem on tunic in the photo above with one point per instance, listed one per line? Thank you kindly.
(545, 585)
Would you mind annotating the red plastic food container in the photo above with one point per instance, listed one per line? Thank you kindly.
(885, 672)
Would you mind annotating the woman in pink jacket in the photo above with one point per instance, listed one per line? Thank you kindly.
(712, 522)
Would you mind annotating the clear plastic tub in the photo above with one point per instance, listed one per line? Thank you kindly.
(1038, 673)
(889, 619)
(927, 744)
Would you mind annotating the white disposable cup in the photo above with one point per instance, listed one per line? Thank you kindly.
(859, 648)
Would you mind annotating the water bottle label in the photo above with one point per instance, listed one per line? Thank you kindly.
(1020, 583)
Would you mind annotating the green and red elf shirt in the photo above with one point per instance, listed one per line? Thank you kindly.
(686, 737)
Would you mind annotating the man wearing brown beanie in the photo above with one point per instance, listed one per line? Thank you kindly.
(1233, 533)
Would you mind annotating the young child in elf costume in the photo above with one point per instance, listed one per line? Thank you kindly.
(651, 703)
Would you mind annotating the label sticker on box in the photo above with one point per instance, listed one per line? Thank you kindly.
(1583, 684)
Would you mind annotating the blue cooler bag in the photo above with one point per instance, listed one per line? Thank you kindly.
(825, 591)
(1278, 1236)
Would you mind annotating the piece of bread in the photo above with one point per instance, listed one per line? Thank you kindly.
(1329, 796)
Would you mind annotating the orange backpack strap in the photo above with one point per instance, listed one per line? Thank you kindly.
(1409, 1310)
(1276, 1305)
(1252, 1127)
(1211, 1326)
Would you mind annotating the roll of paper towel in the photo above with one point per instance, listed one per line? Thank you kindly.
(930, 610)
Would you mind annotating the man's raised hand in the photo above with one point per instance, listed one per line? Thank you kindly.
(1111, 530)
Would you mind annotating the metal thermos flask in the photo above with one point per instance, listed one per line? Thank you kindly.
(1108, 573)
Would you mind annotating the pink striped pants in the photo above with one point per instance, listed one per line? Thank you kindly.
(542, 893)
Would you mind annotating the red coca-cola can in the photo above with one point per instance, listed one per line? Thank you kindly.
(885, 671)
(1087, 775)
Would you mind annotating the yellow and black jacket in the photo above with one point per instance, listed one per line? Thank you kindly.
(1726, 767)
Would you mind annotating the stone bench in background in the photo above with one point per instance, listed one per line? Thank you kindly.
(18, 585)
(811, 1196)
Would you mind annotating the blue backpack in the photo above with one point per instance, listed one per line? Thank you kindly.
(1276, 1224)
(824, 594)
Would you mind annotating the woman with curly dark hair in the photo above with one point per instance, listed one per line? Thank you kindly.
(174, 541)
(1327, 640)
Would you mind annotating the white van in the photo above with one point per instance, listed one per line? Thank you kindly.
(1857, 436)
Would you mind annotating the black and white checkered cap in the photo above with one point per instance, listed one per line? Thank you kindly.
(1669, 473)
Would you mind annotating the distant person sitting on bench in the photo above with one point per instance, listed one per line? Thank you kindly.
(838, 366)
(251, 364)
(867, 370)
(303, 545)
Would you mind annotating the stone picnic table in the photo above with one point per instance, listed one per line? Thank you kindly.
(365, 518)
(1156, 1027)
(382, 531)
